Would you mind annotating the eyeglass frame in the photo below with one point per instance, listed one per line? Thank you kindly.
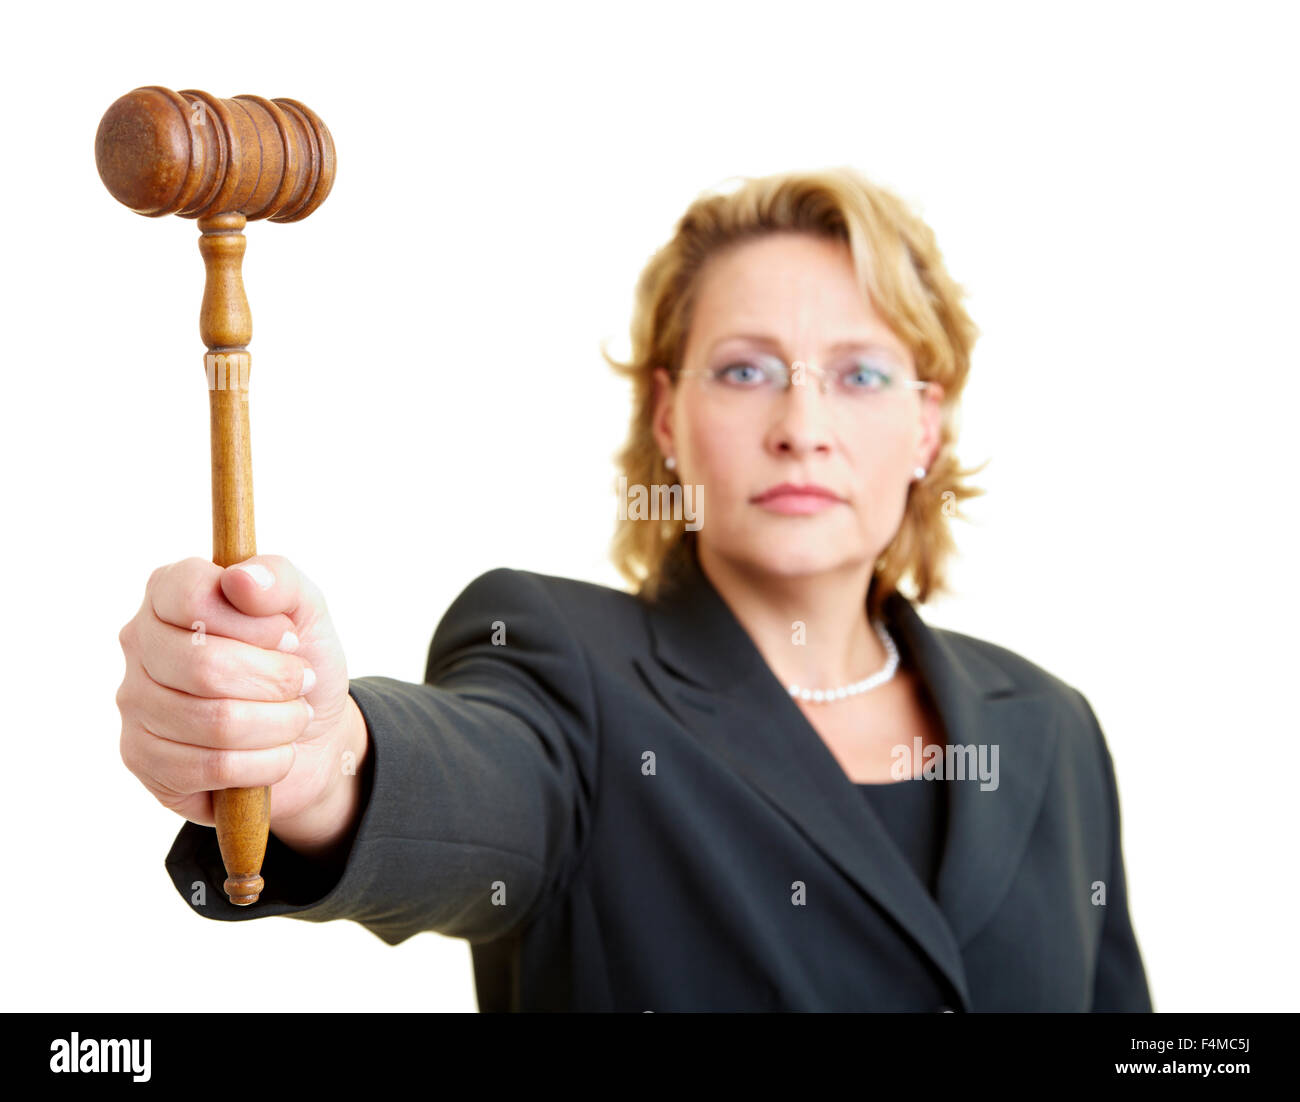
(711, 374)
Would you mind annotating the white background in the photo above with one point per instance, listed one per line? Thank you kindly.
(1114, 184)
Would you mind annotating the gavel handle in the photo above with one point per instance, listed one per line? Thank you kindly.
(243, 815)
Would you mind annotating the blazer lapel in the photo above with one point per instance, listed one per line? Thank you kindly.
(709, 674)
(988, 827)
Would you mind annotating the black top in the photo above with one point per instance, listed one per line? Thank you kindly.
(915, 812)
(515, 804)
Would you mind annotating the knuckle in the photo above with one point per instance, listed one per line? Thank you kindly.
(222, 768)
(186, 586)
(222, 720)
(290, 681)
(191, 597)
(204, 670)
(127, 750)
(133, 749)
(187, 775)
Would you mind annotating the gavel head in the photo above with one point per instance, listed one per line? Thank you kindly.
(188, 153)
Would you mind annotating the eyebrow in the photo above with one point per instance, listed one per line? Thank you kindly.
(839, 346)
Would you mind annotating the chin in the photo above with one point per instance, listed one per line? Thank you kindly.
(791, 548)
(795, 558)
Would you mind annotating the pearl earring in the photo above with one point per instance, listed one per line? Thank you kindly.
(918, 473)
(670, 463)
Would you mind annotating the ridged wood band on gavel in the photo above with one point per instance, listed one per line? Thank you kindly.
(162, 152)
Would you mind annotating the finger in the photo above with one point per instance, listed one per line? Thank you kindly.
(218, 724)
(264, 585)
(180, 770)
(189, 594)
(196, 806)
(210, 665)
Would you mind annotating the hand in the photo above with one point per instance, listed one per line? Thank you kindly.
(232, 685)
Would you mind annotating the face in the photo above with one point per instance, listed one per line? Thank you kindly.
(800, 292)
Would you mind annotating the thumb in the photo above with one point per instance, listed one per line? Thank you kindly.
(263, 585)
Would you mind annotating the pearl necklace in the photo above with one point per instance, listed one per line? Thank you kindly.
(819, 696)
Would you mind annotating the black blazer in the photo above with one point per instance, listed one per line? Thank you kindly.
(621, 808)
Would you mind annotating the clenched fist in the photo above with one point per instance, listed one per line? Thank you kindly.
(235, 678)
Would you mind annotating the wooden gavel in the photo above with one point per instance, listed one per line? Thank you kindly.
(224, 162)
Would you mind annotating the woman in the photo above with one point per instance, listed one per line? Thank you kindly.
(761, 781)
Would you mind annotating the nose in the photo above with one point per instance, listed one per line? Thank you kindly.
(801, 422)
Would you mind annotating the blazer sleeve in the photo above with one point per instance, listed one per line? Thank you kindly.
(1120, 983)
(477, 785)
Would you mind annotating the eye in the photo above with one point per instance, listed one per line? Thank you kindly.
(742, 373)
(863, 375)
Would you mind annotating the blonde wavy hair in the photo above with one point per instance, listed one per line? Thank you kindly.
(899, 267)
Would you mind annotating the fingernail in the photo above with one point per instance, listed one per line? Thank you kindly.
(288, 642)
(255, 570)
(311, 712)
(308, 680)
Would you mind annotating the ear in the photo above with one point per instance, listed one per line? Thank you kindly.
(661, 417)
(927, 447)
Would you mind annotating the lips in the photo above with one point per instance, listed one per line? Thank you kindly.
(790, 499)
(810, 491)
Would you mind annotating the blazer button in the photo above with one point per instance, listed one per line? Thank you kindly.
(945, 1010)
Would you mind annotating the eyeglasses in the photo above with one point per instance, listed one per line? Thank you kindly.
(858, 383)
